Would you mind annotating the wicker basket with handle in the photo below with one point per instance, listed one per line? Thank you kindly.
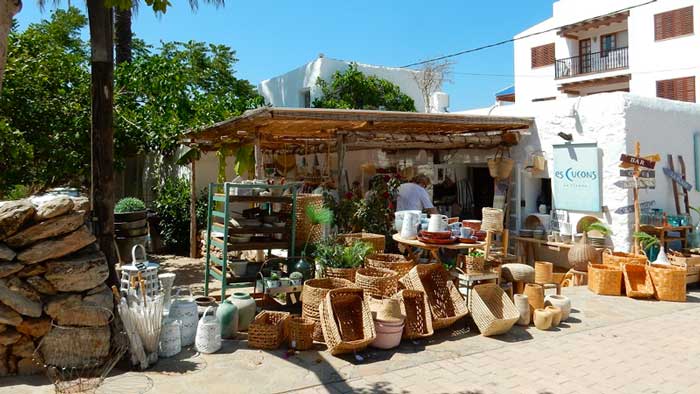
(312, 295)
(377, 282)
(669, 282)
(301, 333)
(414, 305)
(446, 303)
(395, 262)
(617, 259)
(604, 279)
(492, 219)
(637, 281)
(500, 167)
(492, 310)
(377, 241)
(268, 330)
(347, 321)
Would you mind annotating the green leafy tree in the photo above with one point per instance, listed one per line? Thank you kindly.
(352, 89)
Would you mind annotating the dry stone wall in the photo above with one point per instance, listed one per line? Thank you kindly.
(51, 269)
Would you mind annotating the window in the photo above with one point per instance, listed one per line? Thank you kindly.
(608, 43)
(306, 98)
(542, 55)
(673, 23)
(681, 89)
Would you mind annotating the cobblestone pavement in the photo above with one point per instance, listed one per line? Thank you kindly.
(609, 345)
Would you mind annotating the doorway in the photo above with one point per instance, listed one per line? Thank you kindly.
(482, 189)
(584, 52)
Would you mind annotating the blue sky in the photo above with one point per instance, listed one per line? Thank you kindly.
(272, 37)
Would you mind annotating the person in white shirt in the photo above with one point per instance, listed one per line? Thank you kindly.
(413, 196)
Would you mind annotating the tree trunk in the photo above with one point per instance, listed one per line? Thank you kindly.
(122, 35)
(8, 9)
(102, 134)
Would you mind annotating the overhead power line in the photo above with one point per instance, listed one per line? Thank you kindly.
(477, 74)
(481, 48)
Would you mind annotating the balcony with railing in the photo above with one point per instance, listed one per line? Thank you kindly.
(591, 63)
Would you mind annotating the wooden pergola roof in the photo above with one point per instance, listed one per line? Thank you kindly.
(575, 29)
(316, 128)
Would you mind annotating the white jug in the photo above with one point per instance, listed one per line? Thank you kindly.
(409, 227)
(185, 310)
(208, 338)
(437, 223)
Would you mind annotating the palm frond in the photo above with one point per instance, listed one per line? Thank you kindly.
(646, 240)
(599, 227)
(319, 215)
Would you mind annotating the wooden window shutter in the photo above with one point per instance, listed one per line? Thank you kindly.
(681, 89)
(542, 55)
(673, 23)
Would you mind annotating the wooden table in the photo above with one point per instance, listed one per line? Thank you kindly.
(527, 245)
(660, 233)
(433, 248)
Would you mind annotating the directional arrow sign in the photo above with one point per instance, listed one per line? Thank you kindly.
(630, 208)
(642, 173)
(637, 161)
(642, 183)
(678, 178)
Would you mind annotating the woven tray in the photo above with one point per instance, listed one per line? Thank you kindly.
(446, 303)
(637, 281)
(389, 261)
(414, 305)
(312, 295)
(604, 279)
(346, 321)
(268, 330)
(377, 282)
(493, 312)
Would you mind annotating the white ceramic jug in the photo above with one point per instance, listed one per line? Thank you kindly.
(437, 223)
(185, 310)
(409, 227)
(170, 342)
(208, 338)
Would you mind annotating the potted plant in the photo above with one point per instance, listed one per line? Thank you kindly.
(129, 209)
(273, 281)
(340, 261)
(317, 216)
(652, 247)
(130, 226)
(597, 233)
(296, 278)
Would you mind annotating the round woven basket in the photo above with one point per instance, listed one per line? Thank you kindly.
(377, 282)
(535, 296)
(340, 273)
(301, 333)
(515, 272)
(669, 282)
(304, 226)
(377, 241)
(492, 219)
(313, 294)
(394, 262)
(544, 272)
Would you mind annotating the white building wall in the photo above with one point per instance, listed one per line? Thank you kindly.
(535, 83)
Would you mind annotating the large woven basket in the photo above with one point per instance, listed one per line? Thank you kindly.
(414, 305)
(500, 167)
(604, 279)
(544, 272)
(304, 226)
(389, 261)
(378, 241)
(535, 296)
(377, 282)
(446, 303)
(516, 272)
(312, 295)
(669, 282)
(493, 312)
(301, 333)
(347, 321)
(618, 259)
(340, 273)
(471, 264)
(637, 281)
(268, 330)
(492, 219)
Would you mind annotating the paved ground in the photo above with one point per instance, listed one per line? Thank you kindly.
(609, 345)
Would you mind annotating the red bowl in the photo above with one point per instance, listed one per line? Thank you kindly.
(436, 234)
(472, 224)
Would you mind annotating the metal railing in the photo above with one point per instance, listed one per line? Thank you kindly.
(596, 62)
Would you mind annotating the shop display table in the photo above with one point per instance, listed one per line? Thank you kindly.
(664, 239)
(432, 248)
(525, 248)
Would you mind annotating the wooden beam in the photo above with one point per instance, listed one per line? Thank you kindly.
(340, 150)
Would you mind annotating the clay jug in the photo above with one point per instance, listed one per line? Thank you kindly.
(227, 313)
(556, 315)
(521, 302)
(246, 309)
(542, 319)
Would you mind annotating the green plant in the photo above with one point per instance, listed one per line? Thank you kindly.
(599, 227)
(476, 253)
(129, 204)
(355, 254)
(274, 276)
(172, 205)
(317, 216)
(329, 253)
(646, 240)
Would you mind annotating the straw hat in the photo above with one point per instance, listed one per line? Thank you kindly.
(389, 311)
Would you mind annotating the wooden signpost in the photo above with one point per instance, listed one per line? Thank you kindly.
(630, 208)
(637, 161)
(638, 182)
(677, 178)
(642, 173)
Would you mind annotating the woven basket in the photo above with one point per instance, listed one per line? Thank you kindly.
(377, 241)
(304, 226)
(268, 330)
(618, 259)
(471, 264)
(637, 281)
(516, 272)
(446, 303)
(394, 262)
(414, 305)
(669, 282)
(312, 295)
(301, 333)
(604, 279)
(582, 254)
(493, 312)
(377, 282)
(340, 273)
(347, 321)
(492, 219)
(535, 296)
(500, 166)
(544, 272)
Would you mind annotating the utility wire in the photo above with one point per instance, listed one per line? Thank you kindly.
(474, 74)
(518, 38)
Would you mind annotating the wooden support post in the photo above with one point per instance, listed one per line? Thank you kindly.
(635, 191)
(193, 210)
(259, 161)
(340, 150)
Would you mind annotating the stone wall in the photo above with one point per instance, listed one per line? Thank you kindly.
(51, 269)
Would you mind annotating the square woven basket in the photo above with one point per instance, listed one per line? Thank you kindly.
(492, 310)
(268, 330)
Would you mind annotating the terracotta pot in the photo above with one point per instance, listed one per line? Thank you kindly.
(521, 302)
(535, 296)
(388, 334)
(542, 319)
(561, 302)
(556, 315)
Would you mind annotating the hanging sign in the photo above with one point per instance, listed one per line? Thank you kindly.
(678, 178)
(576, 183)
(630, 208)
(642, 173)
(642, 183)
(628, 161)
